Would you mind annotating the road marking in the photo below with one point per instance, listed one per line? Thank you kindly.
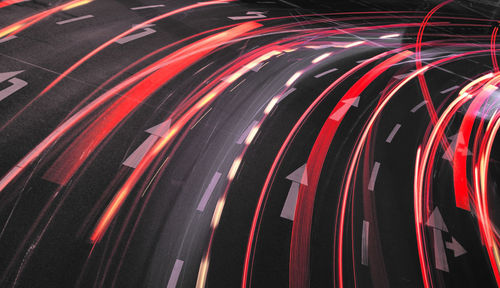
(208, 192)
(439, 252)
(174, 276)
(74, 19)
(344, 108)
(16, 84)
(437, 224)
(419, 105)
(147, 31)
(251, 15)
(450, 152)
(5, 39)
(326, 72)
(393, 133)
(364, 243)
(156, 132)
(298, 177)
(457, 249)
(373, 177)
(449, 89)
(246, 132)
(147, 7)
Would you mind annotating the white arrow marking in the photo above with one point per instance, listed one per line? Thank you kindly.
(208, 192)
(174, 276)
(325, 73)
(16, 84)
(453, 145)
(373, 177)
(74, 19)
(156, 132)
(147, 7)
(439, 252)
(419, 105)
(298, 177)
(449, 89)
(251, 15)
(246, 132)
(436, 220)
(5, 39)
(343, 109)
(147, 31)
(393, 133)
(364, 242)
(458, 249)
(7, 75)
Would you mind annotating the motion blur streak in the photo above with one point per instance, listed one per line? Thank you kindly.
(493, 49)
(422, 182)
(418, 62)
(19, 26)
(152, 83)
(6, 3)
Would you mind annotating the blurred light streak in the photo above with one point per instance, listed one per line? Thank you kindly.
(321, 58)
(422, 179)
(252, 134)
(390, 36)
(493, 49)
(116, 203)
(293, 78)
(254, 231)
(126, 33)
(418, 62)
(21, 25)
(77, 4)
(271, 104)
(6, 3)
(234, 169)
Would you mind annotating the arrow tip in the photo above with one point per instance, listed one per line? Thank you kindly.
(161, 129)
(7, 75)
(299, 175)
(458, 249)
(436, 220)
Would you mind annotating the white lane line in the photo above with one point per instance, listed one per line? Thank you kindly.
(5, 39)
(393, 133)
(147, 7)
(174, 276)
(364, 242)
(449, 89)
(246, 132)
(373, 177)
(208, 192)
(326, 72)
(74, 19)
(418, 106)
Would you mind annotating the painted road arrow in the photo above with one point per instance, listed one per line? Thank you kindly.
(16, 83)
(156, 132)
(348, 103)
(298, 177)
